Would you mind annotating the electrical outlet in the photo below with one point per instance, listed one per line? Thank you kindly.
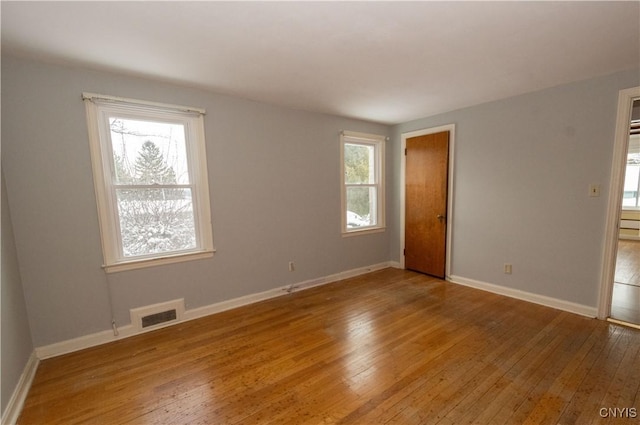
(292, 266)
(507, 268)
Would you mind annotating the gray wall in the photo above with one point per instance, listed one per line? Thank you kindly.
(16, 336)
(522, 171)
(523, 167)
(275, 195)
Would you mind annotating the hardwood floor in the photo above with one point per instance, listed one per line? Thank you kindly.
(389, 347)
(625, 302)
(628, 262)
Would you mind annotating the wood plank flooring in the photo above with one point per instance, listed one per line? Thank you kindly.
(625, 302)
(389, 347)
(628, 262)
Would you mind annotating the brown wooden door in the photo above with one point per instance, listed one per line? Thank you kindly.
(426, 203)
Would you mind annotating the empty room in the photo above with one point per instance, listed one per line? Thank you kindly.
(320, 212)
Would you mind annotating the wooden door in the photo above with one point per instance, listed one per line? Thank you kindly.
(426, 182)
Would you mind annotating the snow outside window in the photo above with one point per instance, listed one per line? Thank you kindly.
(362, 182)
(151, 181)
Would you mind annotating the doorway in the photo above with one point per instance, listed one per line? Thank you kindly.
(620, 288)
(625, 301)
(426, 200)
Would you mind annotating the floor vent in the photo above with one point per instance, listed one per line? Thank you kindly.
(157, 314)
(157, 318)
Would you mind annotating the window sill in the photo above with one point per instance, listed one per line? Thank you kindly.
(157, 261)
(363, 231)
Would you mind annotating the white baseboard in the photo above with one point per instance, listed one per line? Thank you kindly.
(197, 313)
(126, 331)
(556, 303)
(82, 342)
(395, 264)
(14, 407)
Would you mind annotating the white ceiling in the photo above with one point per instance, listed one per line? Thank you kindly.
(388, 62)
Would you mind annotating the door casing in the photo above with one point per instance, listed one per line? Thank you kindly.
(618, 166)
(450, 204)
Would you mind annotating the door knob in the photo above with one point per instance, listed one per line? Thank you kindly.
(441, 217)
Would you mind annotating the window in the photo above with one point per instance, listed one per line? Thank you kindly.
(630, 198)
(150, 175)
(631, 195)
(362, 182)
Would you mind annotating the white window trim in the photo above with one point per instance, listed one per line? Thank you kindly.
(97, 108)
(379, 143)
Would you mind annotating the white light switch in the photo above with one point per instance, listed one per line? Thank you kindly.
(594, 190)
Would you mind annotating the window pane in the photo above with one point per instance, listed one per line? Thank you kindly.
(359, 164)
(631, 181)
(155, 220)
(361, 207)
(148, 152)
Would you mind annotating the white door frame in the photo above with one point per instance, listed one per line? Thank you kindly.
(403, 169)
(618, 167)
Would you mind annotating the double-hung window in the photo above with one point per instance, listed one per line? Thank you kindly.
(150, 175)
(362, 158)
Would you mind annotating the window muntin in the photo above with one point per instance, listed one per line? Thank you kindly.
(363, 182)
(151, 182)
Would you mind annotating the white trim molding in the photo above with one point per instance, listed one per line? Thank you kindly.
(115, 99)
(106, 336)
(16, 402)
(518, 294)
(377, 169)
(614, 208)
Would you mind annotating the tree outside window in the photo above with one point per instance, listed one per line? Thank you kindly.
(150, 171)
(363, 182)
